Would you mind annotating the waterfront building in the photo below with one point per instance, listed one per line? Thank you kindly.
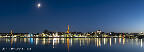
(141, 33)
(30, 35)
(98, 31)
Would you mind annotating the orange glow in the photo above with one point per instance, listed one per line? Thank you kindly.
(68, 29)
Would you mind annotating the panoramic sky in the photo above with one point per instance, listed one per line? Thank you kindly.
(81, 15)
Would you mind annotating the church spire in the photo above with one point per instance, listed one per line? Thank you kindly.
(68, 30)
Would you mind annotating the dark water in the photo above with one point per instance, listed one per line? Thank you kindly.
(71, 45)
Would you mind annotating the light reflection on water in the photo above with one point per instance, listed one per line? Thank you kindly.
(70, 44)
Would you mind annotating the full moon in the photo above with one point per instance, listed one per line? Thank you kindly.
(38, 5)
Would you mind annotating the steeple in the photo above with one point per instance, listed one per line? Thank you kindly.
(68, 30)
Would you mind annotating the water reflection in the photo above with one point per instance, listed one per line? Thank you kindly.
(67, 43)
(141, 43)
(31, 40)
(123, 41)
(55, 42)
(115, 39)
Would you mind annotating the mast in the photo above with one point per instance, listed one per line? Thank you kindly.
(11, 33)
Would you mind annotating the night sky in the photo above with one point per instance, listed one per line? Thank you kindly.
(81, 15)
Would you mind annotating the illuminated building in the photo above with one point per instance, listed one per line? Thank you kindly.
(11, 33)
(68, 30)
(30, 35)
(98, 31)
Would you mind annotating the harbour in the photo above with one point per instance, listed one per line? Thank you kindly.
(71, 44)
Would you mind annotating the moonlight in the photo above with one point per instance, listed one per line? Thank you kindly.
(38, 5)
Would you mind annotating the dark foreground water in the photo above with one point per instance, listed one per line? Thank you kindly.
(71, 45)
